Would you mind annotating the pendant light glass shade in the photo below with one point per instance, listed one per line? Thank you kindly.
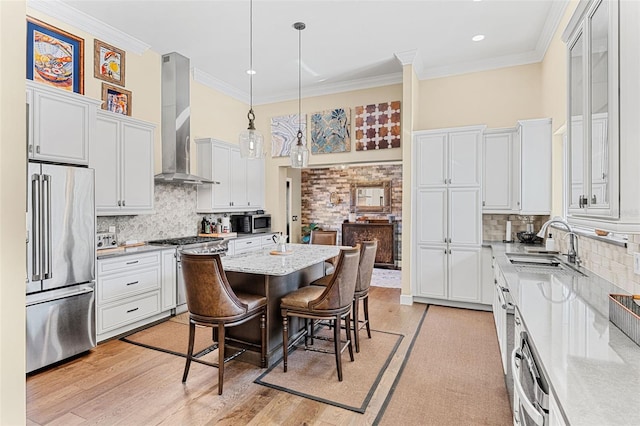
(299, 153)
(251, 140)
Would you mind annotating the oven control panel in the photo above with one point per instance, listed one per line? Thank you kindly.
(106, 240)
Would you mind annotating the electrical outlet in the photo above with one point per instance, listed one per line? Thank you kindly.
(112, 229)
(636, 263)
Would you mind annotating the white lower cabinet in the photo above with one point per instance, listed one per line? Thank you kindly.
(134, 290)
(246, 244)
(449, 273)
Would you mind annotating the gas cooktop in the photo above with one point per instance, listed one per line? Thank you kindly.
(183, 241)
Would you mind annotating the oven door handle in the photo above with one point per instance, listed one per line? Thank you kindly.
(535, 414)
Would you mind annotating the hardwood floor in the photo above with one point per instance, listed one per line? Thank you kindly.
(121, 383)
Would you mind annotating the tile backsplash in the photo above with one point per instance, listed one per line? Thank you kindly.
(494, 225)
(175, 207)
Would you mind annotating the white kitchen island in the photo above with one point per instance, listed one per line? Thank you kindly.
(272, 276)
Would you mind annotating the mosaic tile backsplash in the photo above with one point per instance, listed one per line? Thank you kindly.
(176, 216)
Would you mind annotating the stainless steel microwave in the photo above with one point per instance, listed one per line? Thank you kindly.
(251, 223)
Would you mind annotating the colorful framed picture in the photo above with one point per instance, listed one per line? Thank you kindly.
(54, 57)
(108, 63)
(116, 99)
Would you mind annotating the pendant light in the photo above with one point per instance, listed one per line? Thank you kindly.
(251, 140)
(299, 152)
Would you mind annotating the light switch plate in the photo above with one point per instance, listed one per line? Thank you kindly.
(636, 263)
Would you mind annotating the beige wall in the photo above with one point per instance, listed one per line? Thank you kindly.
(12, 212)
(554, 103)
(275, 178)
(497, 98)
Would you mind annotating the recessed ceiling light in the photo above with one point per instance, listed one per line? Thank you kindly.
(478, 37)
(251, 72)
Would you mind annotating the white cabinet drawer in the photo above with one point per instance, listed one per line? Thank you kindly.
(248, 244)
(131, 310)
(123, 263)
(117, 286)
(267, 240)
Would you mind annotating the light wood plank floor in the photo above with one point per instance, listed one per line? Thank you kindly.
(122, 384)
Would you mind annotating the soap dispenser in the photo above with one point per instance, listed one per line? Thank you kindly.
(550, 245)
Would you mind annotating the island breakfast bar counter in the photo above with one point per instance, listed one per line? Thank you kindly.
(272, 276)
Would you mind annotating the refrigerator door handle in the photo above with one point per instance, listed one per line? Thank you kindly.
(36, 241)
(67, 295)
(46, 246)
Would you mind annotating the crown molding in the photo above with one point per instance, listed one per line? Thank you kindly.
(408, 57)
(67, 14)
(482, 65)
(556, 12)
(340, 87)
(208, 80)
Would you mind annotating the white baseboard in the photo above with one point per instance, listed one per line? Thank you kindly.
(406, 299)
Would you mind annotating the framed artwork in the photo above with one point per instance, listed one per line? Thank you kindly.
(54, 57)
(377, 126)
(108, 63)
(284, 131)
(330, 131)
(116, 99)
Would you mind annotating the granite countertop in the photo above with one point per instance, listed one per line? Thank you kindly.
(132, 250)
(592, 366)
(263, 263)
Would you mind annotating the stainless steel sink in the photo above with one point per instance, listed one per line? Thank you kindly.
(543, 264)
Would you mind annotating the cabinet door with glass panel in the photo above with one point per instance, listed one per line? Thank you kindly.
(593, 112)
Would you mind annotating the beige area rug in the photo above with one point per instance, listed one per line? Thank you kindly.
(173, 337)
(390, 278)
(313, 375)
(452, 374)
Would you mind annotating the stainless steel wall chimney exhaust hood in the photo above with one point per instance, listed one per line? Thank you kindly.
(176, 126)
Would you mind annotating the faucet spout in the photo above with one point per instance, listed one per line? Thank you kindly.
(572, 254)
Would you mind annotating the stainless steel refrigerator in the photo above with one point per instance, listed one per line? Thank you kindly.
(60, 263)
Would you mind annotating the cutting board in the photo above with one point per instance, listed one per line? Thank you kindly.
(222, 235)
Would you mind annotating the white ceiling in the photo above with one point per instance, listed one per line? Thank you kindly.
(348, 44)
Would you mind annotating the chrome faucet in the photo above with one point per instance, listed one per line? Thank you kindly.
(572, 254)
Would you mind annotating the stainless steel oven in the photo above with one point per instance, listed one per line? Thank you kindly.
(530, 385)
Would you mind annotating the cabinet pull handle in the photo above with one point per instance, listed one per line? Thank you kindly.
(38, 149)
(119, 203)
(133, 282)
(132, 262)
(123, 203)
(30, 148)
(483, 203)
(517, 321)
(132, 310)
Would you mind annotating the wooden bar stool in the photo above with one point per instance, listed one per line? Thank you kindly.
(365, 270)
(332, 303)
(212, 303)
(327, 238)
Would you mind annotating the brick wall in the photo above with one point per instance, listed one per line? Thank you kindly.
(319, 183)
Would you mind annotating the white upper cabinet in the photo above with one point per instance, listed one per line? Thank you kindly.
(60, 124)
(517, 169)
(535, 166)
(449, 157)
(498, 171)
(593, 100)
(122, 155)
(241, 181)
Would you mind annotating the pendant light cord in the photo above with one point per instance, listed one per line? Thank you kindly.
(251, 71)
(299, 26)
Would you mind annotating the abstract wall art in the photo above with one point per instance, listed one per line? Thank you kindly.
(377, 126)
(283, 133)
(330, 131)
